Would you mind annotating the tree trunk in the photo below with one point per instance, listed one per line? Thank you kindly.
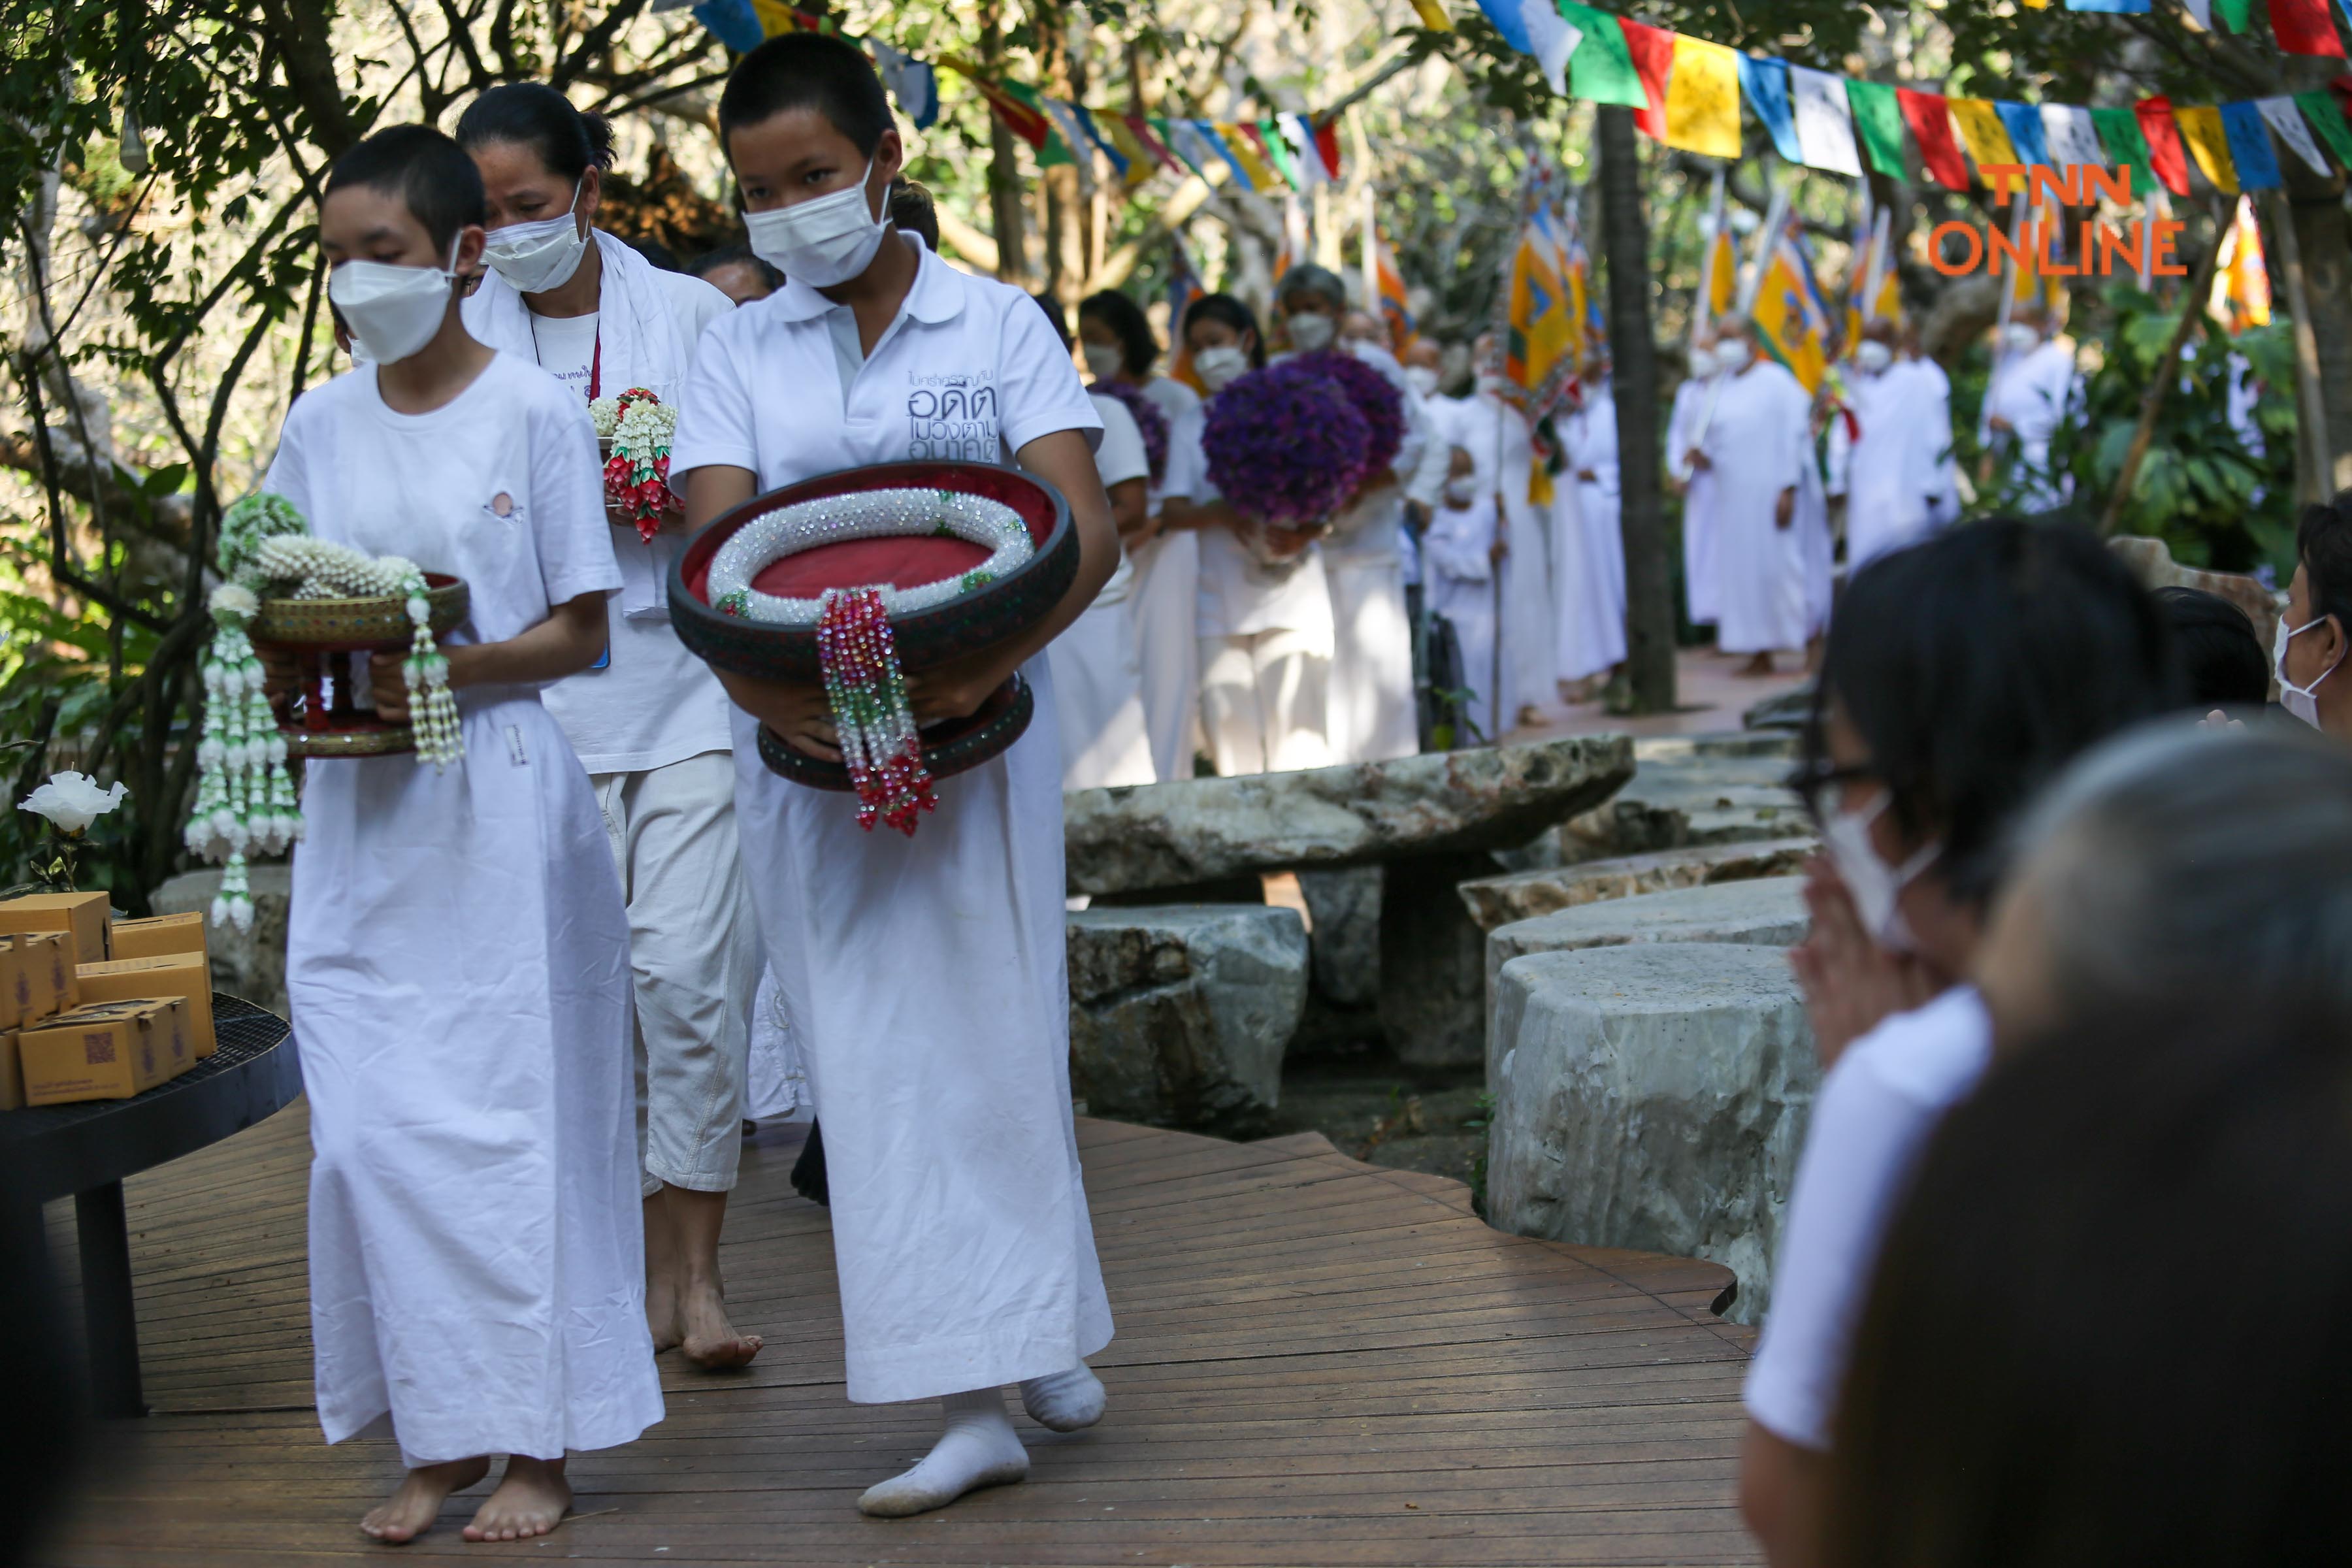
(1626, 249)
(1003, 170)
(2325, 247)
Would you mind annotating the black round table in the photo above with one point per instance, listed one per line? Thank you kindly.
(84, 1152)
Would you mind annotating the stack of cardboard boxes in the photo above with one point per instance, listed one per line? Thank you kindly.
(93, 1008)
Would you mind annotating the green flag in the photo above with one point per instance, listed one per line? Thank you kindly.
(2320, 108)
(1603, 67)
(2126, 147)
(1056, 150)
(1878, 117)
(2234, 13)
(1277, 150)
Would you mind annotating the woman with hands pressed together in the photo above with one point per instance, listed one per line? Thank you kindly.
(1961, 676)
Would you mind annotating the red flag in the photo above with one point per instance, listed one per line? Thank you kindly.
(1142, 129)
(1930, 120)
(1652, 49)
(2303, 27)
(1326, 145)
(2164, 151)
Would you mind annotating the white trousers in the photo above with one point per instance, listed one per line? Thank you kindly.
(693, 959)
(1099, 699)
(1262, 700)
(1167, 600)
(1370, 704)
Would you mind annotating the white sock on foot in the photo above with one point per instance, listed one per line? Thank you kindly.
(1067, 1401)
(978, 1448)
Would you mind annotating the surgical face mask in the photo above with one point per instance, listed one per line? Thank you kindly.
(2018, 338)
(1733, 354)
(2302, 701)
(1490, 383)
(541, 255)
(1462, 491)
(392, 310)
(1217, 367)
(1422, 379)
(1872, 355)
(824, 241)
(1702, 363)
(1877, 887)
(1313, 333)
(1104, 360)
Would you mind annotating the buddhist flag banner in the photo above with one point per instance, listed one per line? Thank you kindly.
(1765, 84)
(2023, 123)
(1722, 272)
(1541, 329)
(2304, 27)
(1652, 49)
(1981, 128)
(1792, 322)
(1393, 303)
(2285, 121)
(1601, 69)
(2162, 134)
(1554, 39)
(1703, 99)
(2209, 143)
(2070, 137)
(2320, 109)
(1878, 120)
(1929, 116)
(2126, 149)
(2249, 147)
(1824, 125)
(1183, 287)
(2241, 287)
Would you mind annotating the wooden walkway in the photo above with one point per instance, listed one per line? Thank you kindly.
(1318, 1362)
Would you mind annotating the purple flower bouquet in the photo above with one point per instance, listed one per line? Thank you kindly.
(1148, 419)
(1375, 397)
(1285, 444)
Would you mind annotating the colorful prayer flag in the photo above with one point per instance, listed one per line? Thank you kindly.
(2304, 27)
(2328, 119)
(1981, 128)
(1510, 20)
(2023, 123)
(2071, 137)
(2209, 142)
(2235, 14)
(1213, 138)
(2242, 285)
(1276, 148)
(733, 22)
(1929, 116)
(1764, 83)
(1878, 120)
(2285, 121)
(2125, 147)
(1298, 133)
(912, 83)
(1653, 51)
(1702, 98)
(2249, 147)
(1601, 69)
(1825, 124)
(2112, 7)
(1102, 143)
(1327, 143)
(1243, 139)
(2162, 134)
(1179, 136)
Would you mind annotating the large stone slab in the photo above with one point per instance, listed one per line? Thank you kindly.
(1497, 901)
(1190, 831)
(1180, 1013)
(1654, 1097)
(251, 964)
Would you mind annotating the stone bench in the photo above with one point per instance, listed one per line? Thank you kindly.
(1497, 901)
(1180, 1015)
(1654, 1097)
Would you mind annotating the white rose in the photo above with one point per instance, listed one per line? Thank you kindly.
(72, 800)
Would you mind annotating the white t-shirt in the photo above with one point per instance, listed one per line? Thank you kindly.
(1871, 1120)
(1119, 459)
(653, 704)
(1240, 597)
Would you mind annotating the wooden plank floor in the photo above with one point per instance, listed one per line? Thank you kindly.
(1318, 1362)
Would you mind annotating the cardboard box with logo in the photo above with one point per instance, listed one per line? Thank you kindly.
(108, 1051)
(83, 916)
(157, 936)
(181, 974)
(52, 986)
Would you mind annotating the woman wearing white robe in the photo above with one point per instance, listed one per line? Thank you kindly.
(1457, 561)
(1757, 448)
(1495, 435)
(1592, 632)
(1700, 579)
(1369, 712)
(1097, 677)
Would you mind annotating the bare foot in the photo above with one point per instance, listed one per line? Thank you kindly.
(531, 1500)
(1760, 664)
(662, 1314)
(661, 1276)
(416, 1502)
(710, 1341)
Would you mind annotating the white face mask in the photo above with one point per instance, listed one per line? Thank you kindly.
(392, 311)
(540, 255)
(1702, 362)
(1872, 355)
(2019, 339)
(1422, 379)
(2302, 701)
(1877, 887)
(1490, 383)
(1104, 360)
(1462, 491)
(824, 241)
(1732, 354)
(1313, 333)
(1218, 367)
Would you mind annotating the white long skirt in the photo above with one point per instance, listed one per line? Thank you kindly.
(1702, 574)
(458, 963)
(1367, 709)
(1099, 699)
(1593, 639)
(925, 983)
(1167, 600)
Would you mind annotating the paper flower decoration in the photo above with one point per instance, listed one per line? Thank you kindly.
(72, 800)
(1375, 397)
(1148, 419)
(1285, 444)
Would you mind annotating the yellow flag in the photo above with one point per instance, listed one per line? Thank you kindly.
(1433, 16)
(775, 17)
(1791, 316)
(1703, 99)
(1722, 273)
(1545, 333)
(1539, 491)
(1244, 150)
(1981, 128)
(2242, 285)
(2201, 127)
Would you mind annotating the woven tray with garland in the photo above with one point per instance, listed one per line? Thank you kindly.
(375, 623)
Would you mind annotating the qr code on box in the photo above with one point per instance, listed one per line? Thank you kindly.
(98, 1049)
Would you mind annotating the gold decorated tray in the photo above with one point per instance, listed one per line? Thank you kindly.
(383, 741)
(355, 624)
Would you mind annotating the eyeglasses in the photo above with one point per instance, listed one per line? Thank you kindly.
(1811, 781)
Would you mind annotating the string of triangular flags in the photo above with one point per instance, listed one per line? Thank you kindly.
(1272, 152)
(1688, 93)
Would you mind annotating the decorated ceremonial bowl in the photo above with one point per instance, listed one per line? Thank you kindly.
(353, 626)
(978, 618)
(951, 747)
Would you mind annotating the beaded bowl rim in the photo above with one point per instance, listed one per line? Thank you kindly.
(292, 623)
(950, 749)
(926, 639)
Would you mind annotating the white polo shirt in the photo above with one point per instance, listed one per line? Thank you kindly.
(1119, 458)
(970, 370)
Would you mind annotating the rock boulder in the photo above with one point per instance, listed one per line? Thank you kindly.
(1497, 901)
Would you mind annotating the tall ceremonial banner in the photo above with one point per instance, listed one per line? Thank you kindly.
(2241, 287)
(1791, 320)
(1542, 330)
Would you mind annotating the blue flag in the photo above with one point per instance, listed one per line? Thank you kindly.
(2023, 123)
(1766, 85)
(2249, 147)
